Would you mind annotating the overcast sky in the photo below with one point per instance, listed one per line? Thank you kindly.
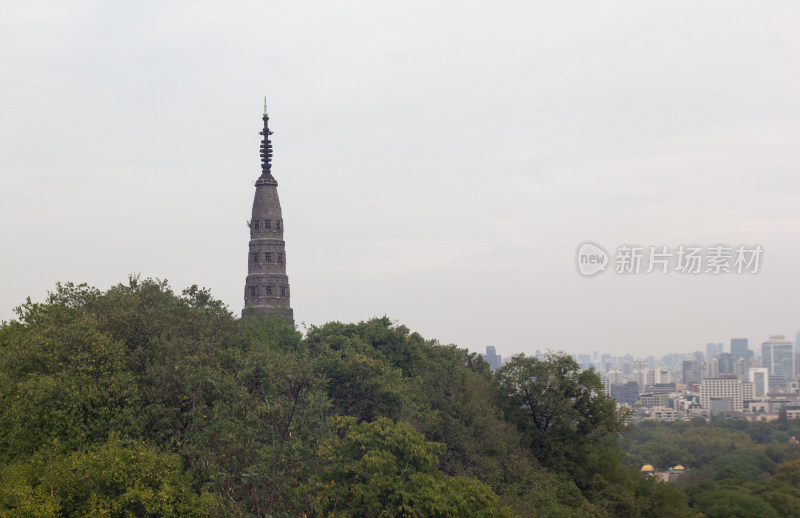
(438, 162)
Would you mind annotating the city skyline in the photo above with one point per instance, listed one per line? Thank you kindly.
(752, 346)
(438, 164)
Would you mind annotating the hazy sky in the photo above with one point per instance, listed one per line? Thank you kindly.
(439, 162)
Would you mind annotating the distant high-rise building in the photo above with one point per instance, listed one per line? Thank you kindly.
(673, 360)
(640, 377)
(760, 379)
(797, 364)
(778, 383)
(626, 393)
(725, 363)
(615, 377)
(741, 367)
(663, 374)
(739, 349)
(606, 386)
(689, 370)
(712, 368)
(777, 357)
(712, 349)
(492, 358)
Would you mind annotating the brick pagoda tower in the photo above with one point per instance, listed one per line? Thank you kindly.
(266, 289)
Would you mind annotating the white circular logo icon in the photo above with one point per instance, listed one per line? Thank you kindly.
(590, 259)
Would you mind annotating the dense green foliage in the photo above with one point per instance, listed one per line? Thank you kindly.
(111, 478)
(734, 468)
(387, 467)
(140, 402)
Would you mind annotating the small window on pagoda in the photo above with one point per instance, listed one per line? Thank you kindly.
(252, 291)
(281, 258)
(269, 290)
(255, 258)
(255, 224)
(283, 291)
(278, 224)
(267, 257)
(267, 224)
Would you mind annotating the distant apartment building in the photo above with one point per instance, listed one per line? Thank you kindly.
(662, 413)
(728, 387)
(758, 405)
(606, 385)
(626, 393)
(654, 400)
(777, 356)
(748, 390)
(739, 349)
(760, 379)
(663, 374)
(778, 383)
(660, 388)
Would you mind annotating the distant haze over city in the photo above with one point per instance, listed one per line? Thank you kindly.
(604, 360)
(439, 163)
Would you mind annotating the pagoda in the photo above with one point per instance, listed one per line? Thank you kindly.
(266, 289)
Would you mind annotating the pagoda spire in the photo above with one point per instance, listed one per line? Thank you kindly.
(266, 144)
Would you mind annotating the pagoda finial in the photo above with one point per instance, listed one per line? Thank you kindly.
(266, 145)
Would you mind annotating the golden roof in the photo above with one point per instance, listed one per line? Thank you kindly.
(648, 467)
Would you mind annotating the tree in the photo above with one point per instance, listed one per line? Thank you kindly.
(447, 393)
(725, 503)
(789, 472)
(238, 401)
(116, 478)
(561, 410)
(385, 468)
(361, 386)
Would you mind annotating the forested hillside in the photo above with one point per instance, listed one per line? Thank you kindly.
(141, 402)
(735, 468)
